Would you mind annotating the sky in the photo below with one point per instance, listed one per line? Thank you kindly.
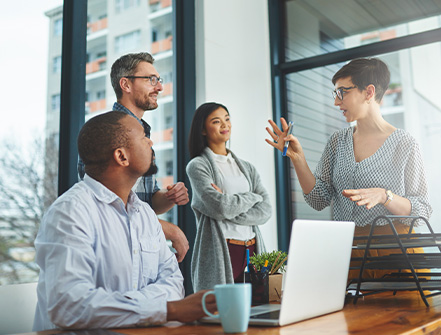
(24, 34)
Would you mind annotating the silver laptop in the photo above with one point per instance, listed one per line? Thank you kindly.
(316, 274)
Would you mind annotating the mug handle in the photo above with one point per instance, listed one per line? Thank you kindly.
(205, 308)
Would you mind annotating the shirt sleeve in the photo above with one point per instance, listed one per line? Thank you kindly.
(210, 202)
(146, 188)
(321, 195)
(415, 184)
(156, 187)
(260, 213)
(68, 258)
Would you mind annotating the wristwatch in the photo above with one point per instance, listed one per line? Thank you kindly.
(390, 197)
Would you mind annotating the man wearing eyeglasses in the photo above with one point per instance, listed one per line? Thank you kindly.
(137, 85)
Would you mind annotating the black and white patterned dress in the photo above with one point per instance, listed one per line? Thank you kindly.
(397, 166)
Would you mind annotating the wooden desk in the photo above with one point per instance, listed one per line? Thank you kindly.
(380, 314)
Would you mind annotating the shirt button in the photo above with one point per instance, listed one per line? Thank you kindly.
(135, 251)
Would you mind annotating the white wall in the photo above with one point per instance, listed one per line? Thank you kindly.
(233, 68)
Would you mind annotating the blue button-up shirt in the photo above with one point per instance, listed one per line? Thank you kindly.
(103, 264)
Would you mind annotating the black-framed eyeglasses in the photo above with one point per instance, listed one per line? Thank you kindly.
(153, 79)
(339, 92)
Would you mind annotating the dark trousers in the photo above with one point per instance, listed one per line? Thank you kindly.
(238, 258)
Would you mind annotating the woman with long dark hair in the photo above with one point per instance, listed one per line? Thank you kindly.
(229, 201)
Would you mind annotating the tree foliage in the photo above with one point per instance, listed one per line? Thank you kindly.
(28, 179)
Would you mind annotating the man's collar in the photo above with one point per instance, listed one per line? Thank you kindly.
(100, 191)
(120, 108)
(103, 194)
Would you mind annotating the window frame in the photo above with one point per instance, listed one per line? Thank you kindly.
(281, 68)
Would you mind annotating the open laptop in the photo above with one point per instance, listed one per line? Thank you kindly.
(316, 274)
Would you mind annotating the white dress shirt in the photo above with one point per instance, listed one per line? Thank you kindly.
(103, 265)
(233, 181)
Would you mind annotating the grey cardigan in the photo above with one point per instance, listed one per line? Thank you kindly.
(211, 264)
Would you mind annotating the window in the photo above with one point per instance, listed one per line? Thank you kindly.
(56, 64)
(138, 28)
(154, 35)
(350, 24)
(58, 27)
(29, 156)
(55, 103)
(122, 5)
(168, 122)
(101, 95)
(412, 102)
(127, 42)
(169, 168)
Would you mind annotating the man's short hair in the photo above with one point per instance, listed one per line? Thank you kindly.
(364, 72)
(126, 66)
(99, 138)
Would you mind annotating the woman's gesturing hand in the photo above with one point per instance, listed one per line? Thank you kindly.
(279, 137)
(368, 197)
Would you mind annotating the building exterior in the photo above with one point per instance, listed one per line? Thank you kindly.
(114, 28)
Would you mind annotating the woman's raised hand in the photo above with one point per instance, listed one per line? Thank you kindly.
(279, 137)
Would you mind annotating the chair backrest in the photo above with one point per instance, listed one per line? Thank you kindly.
(17, 308)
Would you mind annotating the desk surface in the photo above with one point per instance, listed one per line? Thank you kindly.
(382, 314)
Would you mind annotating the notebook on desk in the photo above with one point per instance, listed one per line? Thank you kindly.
(316, 274)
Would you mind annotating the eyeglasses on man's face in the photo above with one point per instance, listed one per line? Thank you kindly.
(153, 79)
(339, 92)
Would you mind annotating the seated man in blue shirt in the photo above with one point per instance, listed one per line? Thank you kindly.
(102, 253)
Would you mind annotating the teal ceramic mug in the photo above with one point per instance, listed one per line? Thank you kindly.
(233, 304)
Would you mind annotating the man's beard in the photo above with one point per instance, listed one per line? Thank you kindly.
(145, 104)
(153, 169)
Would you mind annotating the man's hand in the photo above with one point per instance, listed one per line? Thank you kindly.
(165, 199)
(177, 237)
(190, 309)
(177, 193)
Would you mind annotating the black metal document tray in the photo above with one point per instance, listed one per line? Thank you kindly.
(408, 271)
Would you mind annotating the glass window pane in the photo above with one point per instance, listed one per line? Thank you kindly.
(310, 106)
(29, 129)
(117, 27)
(317, 27)
(412, 102)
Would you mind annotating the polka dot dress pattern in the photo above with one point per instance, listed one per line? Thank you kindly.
(397, 166)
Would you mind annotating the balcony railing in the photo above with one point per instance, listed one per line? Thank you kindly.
(96, 65)
(93, 27)
(165, 135)
(167, 90)
(95, 106)
(162, 45)
(165, 181)
(158, 4)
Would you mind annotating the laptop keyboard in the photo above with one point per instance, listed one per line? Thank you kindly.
(274, 315)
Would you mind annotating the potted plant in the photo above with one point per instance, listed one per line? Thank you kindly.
(274, 263)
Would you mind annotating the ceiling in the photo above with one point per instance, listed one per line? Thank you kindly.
(341, 18)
